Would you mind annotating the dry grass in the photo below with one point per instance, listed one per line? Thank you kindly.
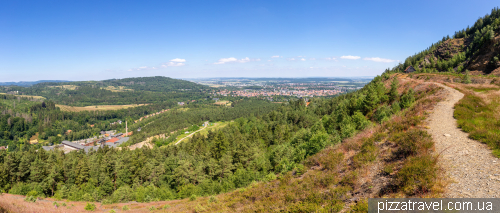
(68, 87)
(223, 103)
(28, 96)
(117, 89)
(98, 107)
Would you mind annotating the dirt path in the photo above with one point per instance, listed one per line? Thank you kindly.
(206, 124)
(475, 172)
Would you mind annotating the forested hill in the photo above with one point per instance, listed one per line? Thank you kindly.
(156, 84)
(146, 90)
(475, 49)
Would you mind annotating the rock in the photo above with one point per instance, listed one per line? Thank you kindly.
(447, 135)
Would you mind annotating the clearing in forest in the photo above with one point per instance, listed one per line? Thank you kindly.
(97, 107)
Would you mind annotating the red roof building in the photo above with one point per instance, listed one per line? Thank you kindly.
(112, 140)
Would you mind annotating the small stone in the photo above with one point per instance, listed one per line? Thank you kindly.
(447, 135)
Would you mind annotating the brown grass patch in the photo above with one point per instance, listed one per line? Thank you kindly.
(97, 107)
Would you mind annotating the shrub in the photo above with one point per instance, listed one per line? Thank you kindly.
(30, 199)
(361, 206)
(383, 113)
(192, 198)
(466, 79)
(90, 207)
(112, 211)
(166, 206)
(270, 177)
(199, 208)
(417, 175)
(55, 204)
(413, 142)
(396, 107)
(125, 208)
(212, 199)
(152, 208)
(408, 98)
(368, 153)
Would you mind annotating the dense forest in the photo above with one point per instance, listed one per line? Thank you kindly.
(145, 90)
(249, 149)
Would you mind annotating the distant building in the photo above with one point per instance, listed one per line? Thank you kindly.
(180, 103)
(410, 69)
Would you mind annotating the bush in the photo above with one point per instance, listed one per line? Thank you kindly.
(125, 208)
(166, 206)
(417, 175)
(90, 207)
(270, 177)
(123, 194)
(383, 113)
(192, 198)
(408, 98)
(152, 208)
(368, 153)
(212, 199)
(396, 107)
(30, 199)
(413, 142)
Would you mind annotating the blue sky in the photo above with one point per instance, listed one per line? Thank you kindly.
(95, 40)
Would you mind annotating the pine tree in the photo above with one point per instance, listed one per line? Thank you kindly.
(393, 92)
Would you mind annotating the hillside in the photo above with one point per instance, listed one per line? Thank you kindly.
(398, 137)
(475, 49)
(145, 90)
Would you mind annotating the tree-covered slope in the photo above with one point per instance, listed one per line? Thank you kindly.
(474, 48)
(145, 90)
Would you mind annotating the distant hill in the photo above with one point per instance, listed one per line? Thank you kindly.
(28, 83)
(144, 90)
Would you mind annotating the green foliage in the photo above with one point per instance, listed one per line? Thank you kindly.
(407, 99)
(360, 207)
(412, 142)
(90, 207)
(30, 199)
(474, 115)
(112, 211)
(166, 206)
(212, 199)
(383, 113)
(395, 107)
(466, 79)
(393, 92)
(418, 175)
(152, 208)
(192, 198)
(125, 208)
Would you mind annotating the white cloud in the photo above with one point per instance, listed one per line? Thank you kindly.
(350, 57)
(331, 59)
(275, 56)
(179, 60)
(302, 59)
(377, 59)
(142, 68)
(234, 60)
(268, 60)
(291, 59)
(172, 64)
(312, 59)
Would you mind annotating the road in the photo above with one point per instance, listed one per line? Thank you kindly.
(206, 124)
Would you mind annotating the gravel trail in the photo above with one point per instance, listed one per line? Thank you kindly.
(474, 171)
